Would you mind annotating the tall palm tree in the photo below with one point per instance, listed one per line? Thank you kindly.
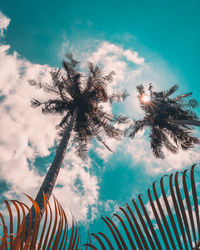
(79, 99)
(168, 119)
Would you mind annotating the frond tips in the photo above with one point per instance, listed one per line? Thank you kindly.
(54, 232)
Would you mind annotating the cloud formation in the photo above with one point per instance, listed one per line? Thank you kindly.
(4, 22)
(27, 134)
(132, 70)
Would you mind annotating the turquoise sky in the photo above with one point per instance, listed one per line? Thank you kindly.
(165, 33)
(167, 28)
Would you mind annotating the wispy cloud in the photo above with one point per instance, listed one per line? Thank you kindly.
(4, 22)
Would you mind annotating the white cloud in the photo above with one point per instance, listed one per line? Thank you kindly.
(78, 188)
(26, 133)
(112, 57)
(131, 72)
(140, 150)
(4, 22)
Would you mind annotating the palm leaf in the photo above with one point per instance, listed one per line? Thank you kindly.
(54, 232)
(171, 90)
(173, 222)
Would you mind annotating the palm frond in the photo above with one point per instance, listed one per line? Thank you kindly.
(81, 149)
(136, 127)
(109, 77)
(64, 121)
(54, 234)
(140, 89)
(193, 103)
(118, 96)
(35, 103)
(171, 90)
(156, 142)
(168, 144)
(72, 64)
(172, 225)
(180, 97)
(103, 142)
(54, 106)
(121, 119)
(46, 87)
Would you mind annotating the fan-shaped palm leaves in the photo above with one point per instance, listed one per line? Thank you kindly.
(167, 119)
(79, 99)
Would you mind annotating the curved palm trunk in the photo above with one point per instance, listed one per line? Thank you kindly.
(186, 122)
(50, 179)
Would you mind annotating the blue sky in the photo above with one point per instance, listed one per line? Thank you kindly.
(143, 41)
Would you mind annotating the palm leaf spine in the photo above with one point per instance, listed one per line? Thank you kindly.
(186, 122)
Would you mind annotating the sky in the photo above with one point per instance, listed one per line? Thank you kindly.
(142, 41)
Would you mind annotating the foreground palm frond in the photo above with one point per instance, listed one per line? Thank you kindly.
(175, 223)
(169, 220)
(54, 234)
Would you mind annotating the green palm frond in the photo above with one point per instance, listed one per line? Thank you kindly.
(175, 223)
(54, 231)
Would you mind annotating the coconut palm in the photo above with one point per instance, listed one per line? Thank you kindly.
(168, 120)
(79, 99)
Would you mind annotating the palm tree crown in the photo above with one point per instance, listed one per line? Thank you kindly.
(76, 92)
(167, 119)
(79, 98)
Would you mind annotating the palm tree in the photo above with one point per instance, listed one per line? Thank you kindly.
(79, 99)
(168, 119)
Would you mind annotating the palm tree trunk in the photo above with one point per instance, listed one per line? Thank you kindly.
(186, 122)
(50, 179)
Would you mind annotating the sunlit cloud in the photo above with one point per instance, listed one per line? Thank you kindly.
(27, 134)
(4, 22)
